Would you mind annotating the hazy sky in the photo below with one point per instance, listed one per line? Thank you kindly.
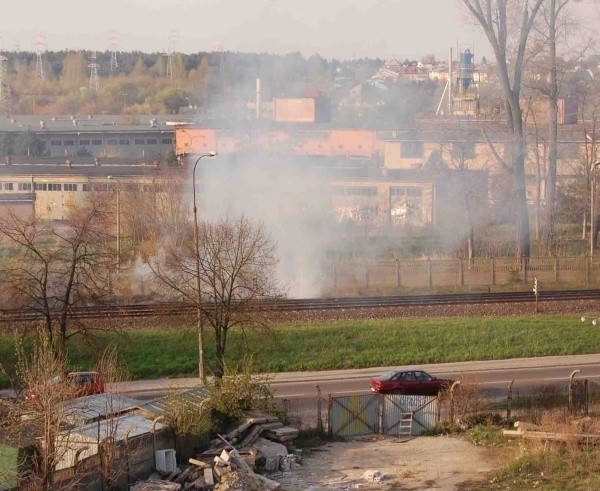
(332, 28)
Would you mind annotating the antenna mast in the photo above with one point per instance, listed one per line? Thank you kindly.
(173, 46)
(93, 66)
(40, 46)
(114, 41)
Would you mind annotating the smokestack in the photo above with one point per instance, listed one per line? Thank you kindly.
(258, 98)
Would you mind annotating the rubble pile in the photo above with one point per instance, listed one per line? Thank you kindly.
(224, 468)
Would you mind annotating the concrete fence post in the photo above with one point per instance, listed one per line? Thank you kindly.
(493, 271)
(461, 273)
(398, 278)
(556, 273)
(429, 272)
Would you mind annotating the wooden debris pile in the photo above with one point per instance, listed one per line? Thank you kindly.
(531, 431)
(254, 427)
(228, 471)
(223, 468)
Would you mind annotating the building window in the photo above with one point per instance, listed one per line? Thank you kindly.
(24, 186)
(69, 143)
(7, 186)
(40, 186)
(124, 141)
(167, 141)
(112, 142)
(56, 143)
(86, 187)
(84, 143)
(96, 142)
(100, 187)
(151, 141)
(70, 187)
(138, 141)
(54, 187)
(411, 149)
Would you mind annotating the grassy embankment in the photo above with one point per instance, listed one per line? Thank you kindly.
(154, 353)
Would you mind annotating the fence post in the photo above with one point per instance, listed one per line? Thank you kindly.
(461, 273)
(367, 274)
(319, 415)
(329, 406)
(334, 272)
(452, 400)
(429, 272)
(509, 403)
(587, 269)
(556, 274)
(524, 266)
(586, 400)
(573, 373)
(398, 279)
(493, 272)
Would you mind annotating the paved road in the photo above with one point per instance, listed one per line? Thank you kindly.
(495, 377)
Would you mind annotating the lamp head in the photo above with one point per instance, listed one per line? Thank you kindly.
(213, 154)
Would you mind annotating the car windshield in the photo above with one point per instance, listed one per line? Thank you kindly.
(388, 375)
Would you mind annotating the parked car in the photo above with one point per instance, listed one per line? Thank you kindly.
(83, 384)
(415, 382)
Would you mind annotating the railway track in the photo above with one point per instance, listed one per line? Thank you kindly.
(168, 309)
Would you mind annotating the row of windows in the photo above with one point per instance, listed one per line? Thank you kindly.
(111, 142)
(45, 186)
(405, 191)
(356, 191)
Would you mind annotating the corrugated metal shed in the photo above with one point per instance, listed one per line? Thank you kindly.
(84, 410)
(194, 397)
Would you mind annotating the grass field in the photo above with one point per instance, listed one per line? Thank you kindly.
(173, 352)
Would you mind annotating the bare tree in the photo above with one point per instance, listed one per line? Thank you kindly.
(494, 17)
(53, 267)
(237, 270)
(40, 417)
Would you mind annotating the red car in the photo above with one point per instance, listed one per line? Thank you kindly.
(413, 382)
(83, 383)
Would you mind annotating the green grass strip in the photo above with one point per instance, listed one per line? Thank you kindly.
(173, 352)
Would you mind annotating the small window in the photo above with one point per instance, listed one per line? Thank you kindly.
(70, 187)
(167, 141)
(54, 187)
(151, 141)
(84, 143)
(138, 141)
(8, 186)
(86, 187)
(56, 143)
(124, 141)
(24, 186)
(40, 186)
(69, 143)
(411, 149)
(96, 142)
(112, 142)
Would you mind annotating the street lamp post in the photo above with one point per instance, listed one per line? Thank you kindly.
(113, 178)
(201, 371)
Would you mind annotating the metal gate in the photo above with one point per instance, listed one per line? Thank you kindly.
(370, 414)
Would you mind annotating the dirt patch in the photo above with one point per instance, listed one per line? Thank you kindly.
(419, 463)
